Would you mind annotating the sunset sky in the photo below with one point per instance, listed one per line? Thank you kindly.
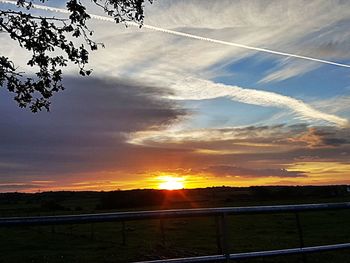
(162, 105)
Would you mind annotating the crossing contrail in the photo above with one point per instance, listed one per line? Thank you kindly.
(192, 36)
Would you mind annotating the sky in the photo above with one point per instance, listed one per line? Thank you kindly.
(184, 97)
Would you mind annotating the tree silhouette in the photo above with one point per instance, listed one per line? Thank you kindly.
(50, 43)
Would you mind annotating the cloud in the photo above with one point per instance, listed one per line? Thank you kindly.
(196, 89)
(236, 171)
(86, 130)
(167, 60)
(293, 26)
(303, 28)
(334, 105)
(251, 134)
(196, 37)
(256, 146)
(323, 137)
(286, 70)
(99, 151)
(258, 49)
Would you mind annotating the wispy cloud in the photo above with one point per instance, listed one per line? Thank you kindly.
(196, 37)
(334, 105)
(287, 69)
(197, 89)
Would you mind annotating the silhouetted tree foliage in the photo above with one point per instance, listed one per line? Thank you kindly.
(44, 36)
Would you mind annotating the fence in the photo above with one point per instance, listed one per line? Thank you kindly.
(221, 219)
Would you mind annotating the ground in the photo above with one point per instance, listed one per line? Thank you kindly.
(103, 242)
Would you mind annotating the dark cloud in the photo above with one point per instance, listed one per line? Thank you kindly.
(258, 146)
(257, 139)
(229, 170)
(85, 131)
(322, 137)
(334, 141)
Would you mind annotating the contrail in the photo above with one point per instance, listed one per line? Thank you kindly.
(177, 33)
(197, 89)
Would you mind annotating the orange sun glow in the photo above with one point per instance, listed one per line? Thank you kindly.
(171, 183)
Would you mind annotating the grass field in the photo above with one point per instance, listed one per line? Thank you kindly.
(103, 242)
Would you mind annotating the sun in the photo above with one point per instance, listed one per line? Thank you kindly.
(171, 183)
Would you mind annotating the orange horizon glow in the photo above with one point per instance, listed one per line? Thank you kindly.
(318, 173)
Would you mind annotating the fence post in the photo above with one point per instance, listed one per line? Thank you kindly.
(301, 236)
(222, 235)
(225, 236)
(218, 234)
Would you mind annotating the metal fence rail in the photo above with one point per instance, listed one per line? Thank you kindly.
(247, 255)
(159, 214)
(220, 214)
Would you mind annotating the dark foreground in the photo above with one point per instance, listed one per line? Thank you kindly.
(144, 240)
